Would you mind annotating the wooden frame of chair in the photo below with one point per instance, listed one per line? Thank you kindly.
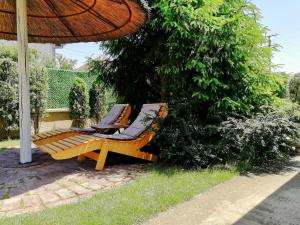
(84, 146)
(59, 134)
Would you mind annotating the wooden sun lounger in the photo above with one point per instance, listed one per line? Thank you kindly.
(117, 118)
(129, 142)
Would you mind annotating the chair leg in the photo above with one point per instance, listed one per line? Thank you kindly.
(81, 158)
(102, 157)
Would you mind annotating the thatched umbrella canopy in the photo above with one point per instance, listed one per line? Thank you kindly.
(62, 21)
(68, 21)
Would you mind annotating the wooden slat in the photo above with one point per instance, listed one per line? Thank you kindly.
(60, 145)
(56, 149)
(77, 139)
(54, 132)
(46, 149)
(70, 145)
(34, 137)
(84, 138)
(87, 136)
(90, 137)
(72, 141)
(42, 135)
(59, 131)
(49, 134)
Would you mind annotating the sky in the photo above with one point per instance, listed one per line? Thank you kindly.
(282, 17)
(80, 51)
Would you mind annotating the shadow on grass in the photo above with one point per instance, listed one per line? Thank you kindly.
(276, 167)
(167, 170)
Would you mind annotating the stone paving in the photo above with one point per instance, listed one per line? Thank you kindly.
(48, 183)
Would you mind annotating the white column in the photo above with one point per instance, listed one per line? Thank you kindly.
(24, 94)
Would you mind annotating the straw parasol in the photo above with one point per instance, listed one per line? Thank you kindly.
(57, 21)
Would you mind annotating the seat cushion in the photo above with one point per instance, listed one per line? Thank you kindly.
(85, 130)
(139, 126)
(114, 136)
(113, 114)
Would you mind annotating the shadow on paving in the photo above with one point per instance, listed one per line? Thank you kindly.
(16, 179)
(277, 167)
(282, 207)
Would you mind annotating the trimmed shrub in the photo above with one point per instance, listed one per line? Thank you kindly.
(38, 94)
(294, 88)
(97, 101)
(256, 140)
(185, 140)
(78, 103)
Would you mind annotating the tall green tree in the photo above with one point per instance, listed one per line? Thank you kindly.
(79, 103)
(64, 63)
(38, 93)
(9, 116)
(97, 101)
(294, 88)
(208, 52)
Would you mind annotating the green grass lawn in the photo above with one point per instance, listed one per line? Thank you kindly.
(9, 144)
(133, 203)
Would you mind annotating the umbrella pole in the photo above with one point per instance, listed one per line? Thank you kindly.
(24, 94)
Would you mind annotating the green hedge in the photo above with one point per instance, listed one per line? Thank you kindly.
(60, 83)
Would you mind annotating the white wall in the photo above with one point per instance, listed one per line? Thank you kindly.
(44, 50)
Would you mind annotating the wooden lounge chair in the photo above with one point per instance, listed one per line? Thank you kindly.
(117, 118)
(129, 142)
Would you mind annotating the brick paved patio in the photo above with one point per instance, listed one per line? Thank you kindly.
(48, 183)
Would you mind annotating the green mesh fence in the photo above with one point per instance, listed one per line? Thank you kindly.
(60, 83)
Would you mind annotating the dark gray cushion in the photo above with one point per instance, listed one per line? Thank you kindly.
(115, 136)
(110, 118)
(140, 125)
(143, 121)
(86, 130)
(113, 114)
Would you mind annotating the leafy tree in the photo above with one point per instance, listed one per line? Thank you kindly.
(279, 83)
(9, 114)
(9, 52)
(217, 47)
(97, 101)
(64, 63)
(12, 53)
(210, 52)
(78, 103)
(294, 88)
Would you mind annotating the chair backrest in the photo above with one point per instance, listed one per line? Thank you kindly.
(114, 114)
(143, 122)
